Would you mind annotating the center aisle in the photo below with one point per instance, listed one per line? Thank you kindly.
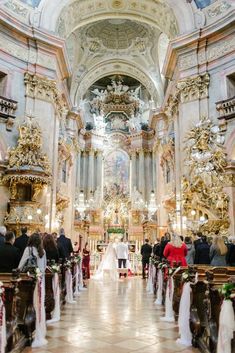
(113, 317)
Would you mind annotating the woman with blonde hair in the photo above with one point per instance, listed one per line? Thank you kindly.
(176, 251)
(218, 252)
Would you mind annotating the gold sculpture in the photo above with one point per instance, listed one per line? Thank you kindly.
(28, 150)
(202, 190)
(27, 172)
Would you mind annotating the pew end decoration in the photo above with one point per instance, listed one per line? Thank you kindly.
(151, 275)
(168, 279)
(188, 278)
(77, 262)
(69, 282)
(39, 307)
(226, 319)
(55, 269)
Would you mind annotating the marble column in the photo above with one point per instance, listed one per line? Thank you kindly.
(84, 184)
(91, 156)
(133, 170)
(99, 164)
(179, 163)
(148, 182)
(141, 174)
(78, 172)
(154, 171)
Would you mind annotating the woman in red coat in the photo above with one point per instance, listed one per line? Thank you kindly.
(86, 262)
(175, 251)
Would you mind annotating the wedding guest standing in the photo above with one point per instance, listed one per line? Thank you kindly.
(65, 243)
(176, 251)
(9, 254)
(230, 257)
(191, 251)
(146, 252)
(218, 251)
(202, 251)
(36, 248)
(156, 248)
(86, 262)
(164, 240)
(22, 241)
(3, 231)
(50, 246)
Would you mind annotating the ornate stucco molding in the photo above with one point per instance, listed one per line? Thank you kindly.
(203, 189)
(77, 12)
(193, 88)
(187, 90)
(44, 89)
(172, 105)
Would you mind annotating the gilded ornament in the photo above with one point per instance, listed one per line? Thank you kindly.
(206, 160)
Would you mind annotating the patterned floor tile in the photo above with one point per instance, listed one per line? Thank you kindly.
(113, 318)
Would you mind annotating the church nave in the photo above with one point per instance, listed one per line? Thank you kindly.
(113, 317)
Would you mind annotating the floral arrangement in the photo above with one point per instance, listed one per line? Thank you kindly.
(35, 273)
(188, 275)
(2, 291)
(228, 291)
(67, 264)
(153, 261)
(138, 257)
(55, 268)
(116, 230)
(76, 259)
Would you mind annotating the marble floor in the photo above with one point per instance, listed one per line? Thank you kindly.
(113, 317)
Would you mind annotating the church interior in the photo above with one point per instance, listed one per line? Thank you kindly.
(117, 122)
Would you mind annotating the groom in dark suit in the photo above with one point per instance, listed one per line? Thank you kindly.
(146, 251)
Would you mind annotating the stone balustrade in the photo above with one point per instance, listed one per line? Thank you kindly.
(226, 108)
(7, 108)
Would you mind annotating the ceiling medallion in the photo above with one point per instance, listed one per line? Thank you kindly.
(117, 4)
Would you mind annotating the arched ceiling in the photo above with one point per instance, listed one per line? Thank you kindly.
(109, 37)
(108, 69)
(117, 33)
(153, 12)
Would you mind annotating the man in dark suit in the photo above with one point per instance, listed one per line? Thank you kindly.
(202, 252)
(156, 248)
(198, 239)
(65, 244)
(2, 235)
(9, 254)
(22, 241)
(146, 251)
(164, 240)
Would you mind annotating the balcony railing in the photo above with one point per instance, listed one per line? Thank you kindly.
(7, 108)
(226, 108)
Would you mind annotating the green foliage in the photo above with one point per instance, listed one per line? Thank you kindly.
(227, 290)
(116, 230)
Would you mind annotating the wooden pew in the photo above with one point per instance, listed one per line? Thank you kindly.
(206, 304)
(15, 338)
(26, 312)
(49, 295)
(20, 315)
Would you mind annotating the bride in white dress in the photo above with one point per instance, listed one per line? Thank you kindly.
(107, 269)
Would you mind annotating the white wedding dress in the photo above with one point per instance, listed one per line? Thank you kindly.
(107, 270)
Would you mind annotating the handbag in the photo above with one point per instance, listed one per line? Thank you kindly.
(31, 262)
